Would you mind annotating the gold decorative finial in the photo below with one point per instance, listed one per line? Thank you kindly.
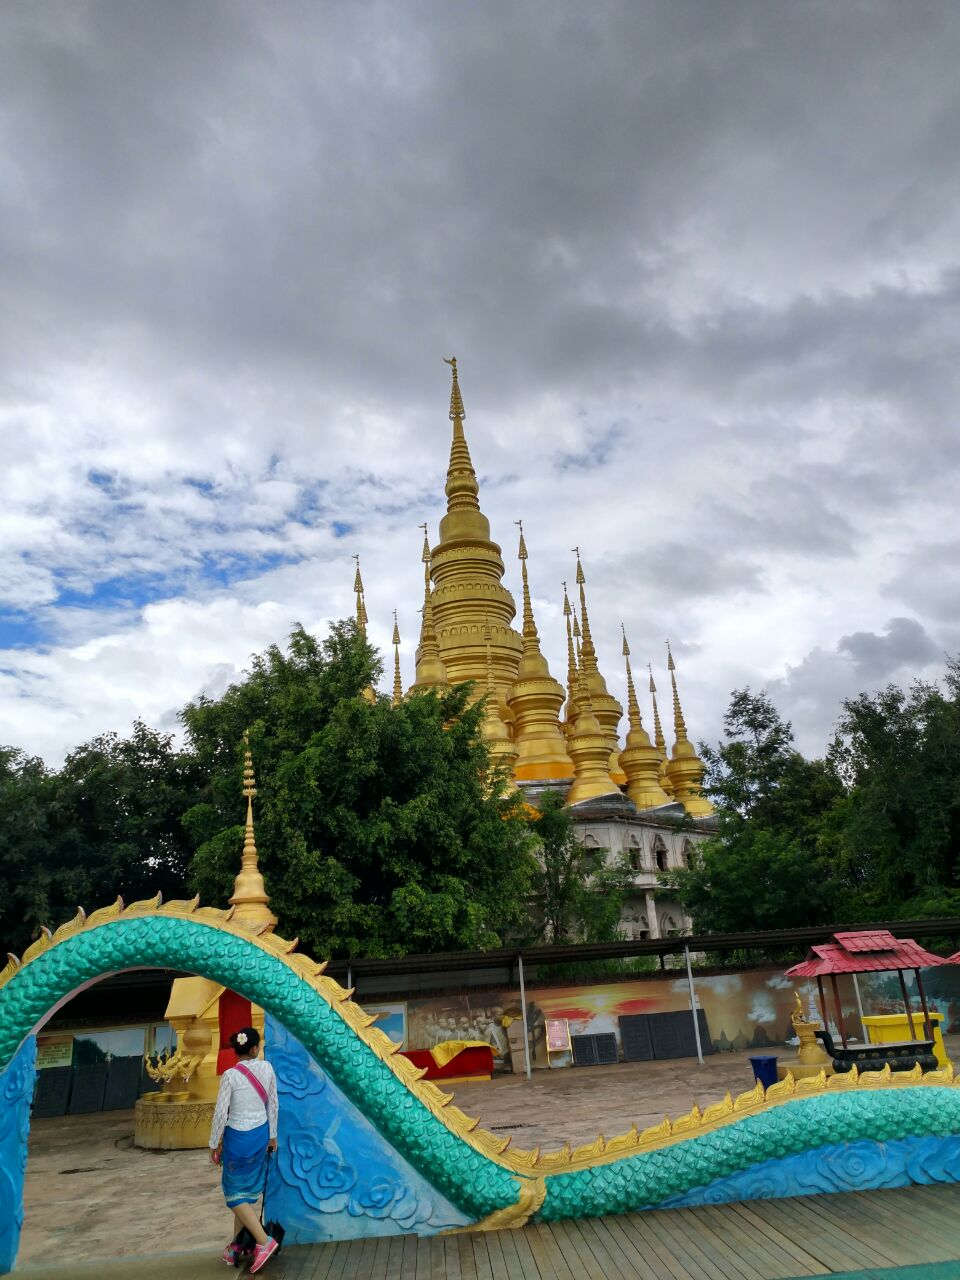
(640, 760)
(250, 900)
(530, 635)
(685, 768)
(679, 724)
(571, 708)
(431, 672)
(606, 707)
(361, 604)
(657, 726)
(456, 401)
(397, 683)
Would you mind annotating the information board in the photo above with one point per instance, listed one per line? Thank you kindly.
(54, 1051)
(558, 1035)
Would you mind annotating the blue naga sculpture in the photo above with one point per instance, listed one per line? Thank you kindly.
(794, 1135)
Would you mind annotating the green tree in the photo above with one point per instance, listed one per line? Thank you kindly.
(768, 866)
(578, 892)
(896, 835)
(377, 831)
(107, 823)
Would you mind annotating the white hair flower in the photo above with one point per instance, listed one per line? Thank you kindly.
(241, 1037)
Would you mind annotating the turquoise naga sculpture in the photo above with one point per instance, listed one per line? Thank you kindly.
(491, 1184)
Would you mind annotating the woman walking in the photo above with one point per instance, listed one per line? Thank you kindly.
(244, 1132)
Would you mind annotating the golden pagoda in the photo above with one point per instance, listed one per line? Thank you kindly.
(431, 673)
(466, 634)
(535, 699)
(685, 768)
(607, 709)
(467, 572)
(640, 759)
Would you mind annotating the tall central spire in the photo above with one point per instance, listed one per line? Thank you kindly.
(467, 571)
(535, 699)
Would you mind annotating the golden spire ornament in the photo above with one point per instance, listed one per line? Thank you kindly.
(467, 573)
(588, 750)
(369, 694)
(430, 672)
(606, 707)
(535, 699)
(658, 738)
(639, 759)
(495, 734)
(685, 768)
(249, 899)
(397, 682)
(570, 711)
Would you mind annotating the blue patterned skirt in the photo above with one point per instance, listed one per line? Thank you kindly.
(244, 1164)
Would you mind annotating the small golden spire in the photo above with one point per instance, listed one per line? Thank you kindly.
(640, 760)
(530, 635)
(250, 900)
(588, 750)
(608, 710)
(456, 400)
(361, 606)
(685, 768)
(571, 708)
(430, 671)
(535, 699)
(495, 734)
(658, 737)
(397, 683)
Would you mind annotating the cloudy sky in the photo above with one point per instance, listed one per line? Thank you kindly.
(700, 263)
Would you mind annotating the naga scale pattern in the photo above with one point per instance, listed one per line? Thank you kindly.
(472, 1167)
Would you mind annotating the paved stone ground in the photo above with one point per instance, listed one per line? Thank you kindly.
(91, 1194)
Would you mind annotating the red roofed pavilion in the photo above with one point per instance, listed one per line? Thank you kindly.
(868, 951)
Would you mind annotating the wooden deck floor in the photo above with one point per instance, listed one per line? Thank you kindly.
(762, 1240)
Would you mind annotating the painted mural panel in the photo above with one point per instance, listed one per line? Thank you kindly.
(747, 1010)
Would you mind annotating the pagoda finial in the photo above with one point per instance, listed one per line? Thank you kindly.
(462, 488)
(456, 400)
(397, 683)
(531, 637)
(658, 737)
(608, 710)
(640, 760)
(250, 900)
(679, 724)
(589, 652)
(430, 672)
(361, 604)
(633, 706)
(571, 661)
(685, 768)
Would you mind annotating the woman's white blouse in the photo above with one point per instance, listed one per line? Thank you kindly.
(238, 1103)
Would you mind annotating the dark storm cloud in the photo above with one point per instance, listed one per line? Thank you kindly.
(699, 262)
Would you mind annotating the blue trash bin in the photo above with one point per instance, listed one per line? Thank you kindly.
(764, 1070)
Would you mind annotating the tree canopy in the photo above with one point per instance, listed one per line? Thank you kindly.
(377, 830)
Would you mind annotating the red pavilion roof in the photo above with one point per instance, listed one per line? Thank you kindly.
(865, 952)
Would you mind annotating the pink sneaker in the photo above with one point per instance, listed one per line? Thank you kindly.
(230, 1253)
(262, 1254)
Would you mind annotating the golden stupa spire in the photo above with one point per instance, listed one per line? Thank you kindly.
(369, 693)
(570, 711)
(685, 768)
(658, 738)
(535, 699)
(639, 759)
(397, 683)
(361, 606)
(250, 900)
(606, 707)
(587, 745)
(495, 734)
(430, 673)
(467, 572)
